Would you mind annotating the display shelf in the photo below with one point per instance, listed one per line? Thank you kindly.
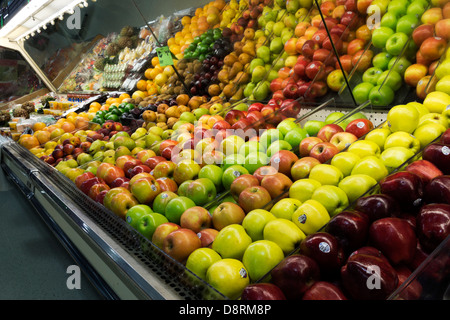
(110, 252)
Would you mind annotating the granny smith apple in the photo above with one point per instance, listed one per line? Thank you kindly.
(407, 24)
(232, 159)
(135, 213)
(390, 78)
(333, 117)
(148, 223)
(296, 135)
(312, 127)
(361, 92)
(260, 257)
(176, 207)
(253, 161)
(372, 75)
(269, 136)
(311, 216)
(250, 147)
(287, 125)
(399, 64)
(277, 146)
(380, 37)
(389, 20)
(396, 42)
(160, 202)
(381, 95)
(231, 173)
(284, 233)
(213, 173)
(381, 60)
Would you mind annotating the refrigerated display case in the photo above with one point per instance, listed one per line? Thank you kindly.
(73, 57)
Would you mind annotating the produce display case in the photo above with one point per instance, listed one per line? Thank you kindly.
(120, 261)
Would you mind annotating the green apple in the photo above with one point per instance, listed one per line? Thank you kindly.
(284, 233)
(260, 257)
(361, 92)
(201, 191)
(200, 260)
(345, 161)
(233, 159)
(364, 148)
(296, 135)
(402, 139)
(381, 95)
(399, 64)
(396, 42)
(311, 216)
(333, 198)
(390, 78)
(287, 125)
(403, 118)
(182, 188)
(135, 213)
(231, 173)
(229, 277)
(212, 172)
(379, 136)
(176, 207)
(372, 75)
(333, 117)
(417, 7)
(429, 132)
(231, 242)
(394, 157)
(380, 37)
(356, 185)
(372, 166)
(160, 202)
(381, 60)
(255, 221)
(389, 20)
(199, 112)
(326, 174)
(303, 189)
(407, 24)
(279, 145)
(250, 147)
(148, 223)
(398, 7)
(312, 127)
(285, 208)
(269, 136)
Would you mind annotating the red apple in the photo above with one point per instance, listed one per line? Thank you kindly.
(264, 171)
(283, 161)
(179, 244)
(414, 73)
(241, 183)
(327, 131)
(324, 151)
(227, 213)
(442, 28)
(255, 197)
(359, 127)
(323, 290)
(307, 144)
(277, 185)
(433, 48)
(207, 236)
(343, 139)
(422, 32)
(196, 218)
(302, 167)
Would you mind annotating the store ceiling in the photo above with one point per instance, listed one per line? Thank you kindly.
(35, 15)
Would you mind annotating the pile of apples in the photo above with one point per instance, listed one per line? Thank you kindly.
(392, 231)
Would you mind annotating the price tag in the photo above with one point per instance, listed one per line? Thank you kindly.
(165, 56)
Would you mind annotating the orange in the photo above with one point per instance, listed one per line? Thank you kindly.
(95, 105)
(185, 20)
(124, 96)
(68, 126)
(155, 61)
(171, 41)
(42, 136)
(29, 142)
(81, 122)
(72, 114)
(39, 126)
(141, 85)
(105, 107)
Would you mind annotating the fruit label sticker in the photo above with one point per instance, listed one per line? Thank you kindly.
(153, 187)
(129, 219)
(236, 173)
(324, 247)
(243, 273)
(302, 218)
(164, 56)
(446, 150)
(360, 125)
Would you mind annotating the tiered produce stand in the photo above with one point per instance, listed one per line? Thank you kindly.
(252, 150)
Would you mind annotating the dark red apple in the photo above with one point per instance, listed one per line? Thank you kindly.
(262, 291)
(438, 190)
(350, 228)
(323, 290)
(439, 155)
(405, 187)
(425, 169)
(295, 275)
(377, 206)
(395, 238)
(433, 225)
